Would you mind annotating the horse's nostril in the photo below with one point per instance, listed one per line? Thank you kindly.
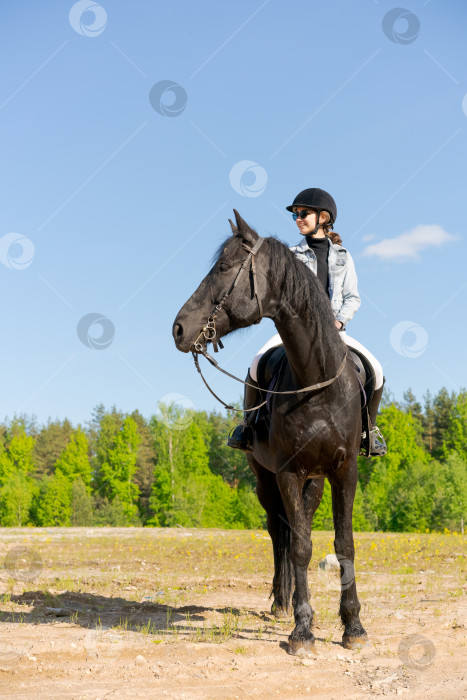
(178, 330)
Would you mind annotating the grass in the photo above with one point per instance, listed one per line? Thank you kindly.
(166, 570)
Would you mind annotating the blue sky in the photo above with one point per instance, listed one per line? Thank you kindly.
(113, 203)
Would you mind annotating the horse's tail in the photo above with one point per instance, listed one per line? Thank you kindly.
(284, 580)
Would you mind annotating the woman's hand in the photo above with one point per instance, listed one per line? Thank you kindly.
(339, 324)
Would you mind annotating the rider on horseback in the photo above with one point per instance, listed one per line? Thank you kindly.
(315, 212)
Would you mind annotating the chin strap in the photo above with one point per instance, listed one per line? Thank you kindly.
(318, 225)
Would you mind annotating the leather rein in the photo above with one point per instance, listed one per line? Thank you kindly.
(209, 333)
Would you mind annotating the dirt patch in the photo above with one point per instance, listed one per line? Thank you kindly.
(113, 613)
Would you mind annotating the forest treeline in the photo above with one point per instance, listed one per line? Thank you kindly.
(176, 469)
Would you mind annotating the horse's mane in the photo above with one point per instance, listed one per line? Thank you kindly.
(298, 282)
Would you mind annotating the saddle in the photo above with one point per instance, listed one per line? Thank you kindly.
(272, 366)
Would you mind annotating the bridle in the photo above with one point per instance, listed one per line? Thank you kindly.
(209, 330)
(209, 333)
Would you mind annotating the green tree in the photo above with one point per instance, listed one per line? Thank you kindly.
(146, 457)
(74, 460)
(247, 513)
(82, 505)
(443, 404)
(428, 421)
(16, 485)
(50, 442)
(449, 502)
(230, 464)
(52, 504)
(455, 437)
(16, 495)
(118, 468)
(383, 497)
(103, 430)
(411, 405)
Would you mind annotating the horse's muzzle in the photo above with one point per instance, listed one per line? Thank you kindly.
(184, 334)
(178, 332)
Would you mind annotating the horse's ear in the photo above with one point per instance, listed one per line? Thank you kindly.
(241, 225)
(244, 230)
(234, 230)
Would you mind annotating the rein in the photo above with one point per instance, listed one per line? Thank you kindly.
(209, 333)
(215, 364)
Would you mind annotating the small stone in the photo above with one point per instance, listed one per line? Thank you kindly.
(140, 660)
(330, 561)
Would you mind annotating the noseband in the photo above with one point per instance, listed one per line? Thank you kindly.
(209, 330)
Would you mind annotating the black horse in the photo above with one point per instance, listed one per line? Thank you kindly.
(313, 435)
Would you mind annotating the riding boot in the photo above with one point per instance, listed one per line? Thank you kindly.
(378, 446)
(242, 437)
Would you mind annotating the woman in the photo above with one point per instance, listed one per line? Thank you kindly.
(315, 212)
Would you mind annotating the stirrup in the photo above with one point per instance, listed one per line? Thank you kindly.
(378, 447)
(241, 438)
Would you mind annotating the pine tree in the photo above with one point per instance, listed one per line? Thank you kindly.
(82, 506)
(49, 444)
(455, 437)
(443, 404)
(145, 463)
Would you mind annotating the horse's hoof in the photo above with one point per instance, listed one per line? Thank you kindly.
(306, 648)
(355, 643)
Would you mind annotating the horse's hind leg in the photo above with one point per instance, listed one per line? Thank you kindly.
(312, 495)
(279, 531)
(343, 487)
(291, 487)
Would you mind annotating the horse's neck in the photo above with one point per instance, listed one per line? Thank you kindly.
(312, 354)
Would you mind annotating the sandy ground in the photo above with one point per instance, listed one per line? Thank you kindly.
(117, 613)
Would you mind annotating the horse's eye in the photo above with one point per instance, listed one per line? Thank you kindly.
(223, 267)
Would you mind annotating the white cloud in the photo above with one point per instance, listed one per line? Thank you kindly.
(408, 245)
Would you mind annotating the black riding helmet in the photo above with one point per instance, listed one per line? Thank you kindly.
(314, 198)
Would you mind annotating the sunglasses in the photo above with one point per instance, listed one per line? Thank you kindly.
(302, 214)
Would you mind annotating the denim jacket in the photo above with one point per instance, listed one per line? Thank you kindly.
(345, 299)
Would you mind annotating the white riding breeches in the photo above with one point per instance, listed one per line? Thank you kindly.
(351, 342)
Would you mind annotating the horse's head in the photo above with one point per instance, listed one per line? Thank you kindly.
(233, 294)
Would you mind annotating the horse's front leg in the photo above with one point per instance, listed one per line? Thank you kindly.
(291, 487)
(343, 487)
(279, 530)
